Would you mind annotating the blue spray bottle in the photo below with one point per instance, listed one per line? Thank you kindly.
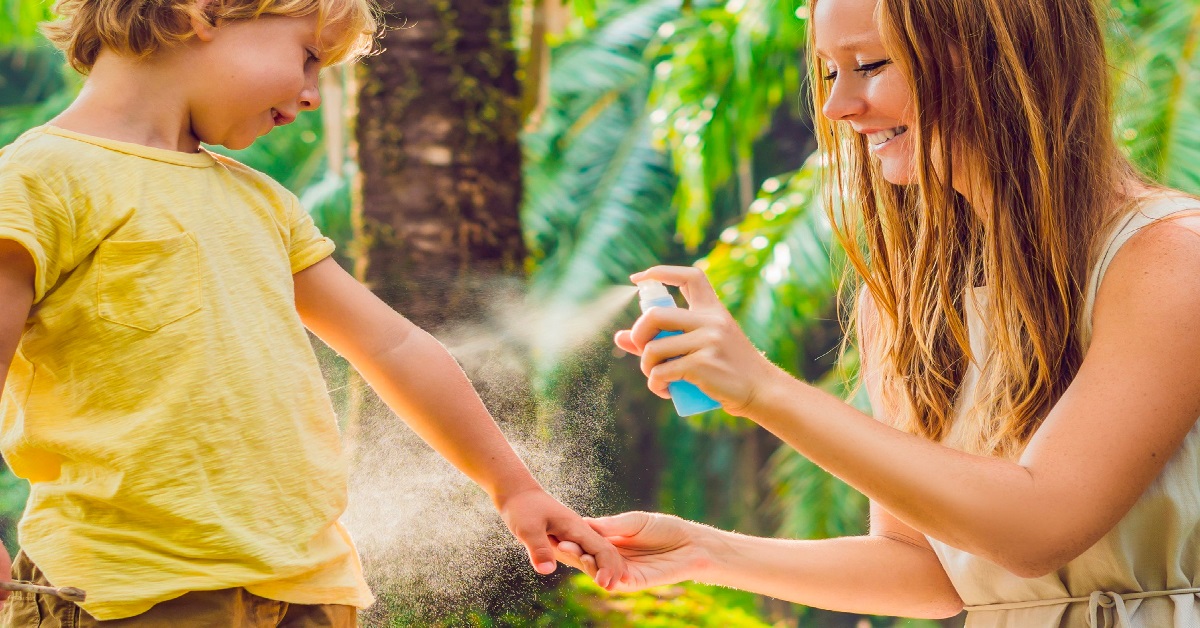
(688, 399)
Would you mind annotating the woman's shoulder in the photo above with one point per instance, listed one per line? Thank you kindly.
(1158, 232)
(1157, 242)
(1150, 215)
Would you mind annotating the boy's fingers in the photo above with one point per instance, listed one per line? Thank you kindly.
(589, 566)
(609, 563)
(571, 554)
(624, 524)
(691, 281)
(541, 554)
(570, 548)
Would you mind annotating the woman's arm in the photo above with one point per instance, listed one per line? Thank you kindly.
(894, 571)
(891, 572)
(1123, 417)
(421, 382)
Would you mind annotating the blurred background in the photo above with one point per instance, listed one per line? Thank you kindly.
(497, 170)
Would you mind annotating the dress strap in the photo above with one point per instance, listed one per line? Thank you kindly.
(1148, 213)
(1106, 609)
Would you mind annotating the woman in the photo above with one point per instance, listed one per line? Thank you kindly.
(1030, 331)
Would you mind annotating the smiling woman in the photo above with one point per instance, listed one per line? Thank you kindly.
(1026, 320)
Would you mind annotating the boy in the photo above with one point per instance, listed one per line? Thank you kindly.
(160, 393)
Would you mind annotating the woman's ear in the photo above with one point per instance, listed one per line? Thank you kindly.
(204, 26)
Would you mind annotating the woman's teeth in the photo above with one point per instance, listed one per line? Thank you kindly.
(880, 137)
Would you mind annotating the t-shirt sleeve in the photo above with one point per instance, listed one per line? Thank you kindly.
(306, 244)
(33, 216)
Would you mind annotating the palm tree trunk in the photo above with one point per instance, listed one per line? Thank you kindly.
(437, 133)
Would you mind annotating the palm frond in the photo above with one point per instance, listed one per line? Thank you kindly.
(808, 502)
(777, 271)
(597, 194)
(1156, 52)
(730, 66)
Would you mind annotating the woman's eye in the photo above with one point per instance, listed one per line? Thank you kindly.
(865, 69)
(871, 69)
(312, 57)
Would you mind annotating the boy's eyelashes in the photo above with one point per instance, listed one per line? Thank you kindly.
(866, 69)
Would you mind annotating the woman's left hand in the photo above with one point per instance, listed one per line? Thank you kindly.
(713, 353)
(658, 549)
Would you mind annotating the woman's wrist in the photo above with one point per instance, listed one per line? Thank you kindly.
(778, 393)
(714, 553)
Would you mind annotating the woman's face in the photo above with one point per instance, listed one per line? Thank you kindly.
(866, 90)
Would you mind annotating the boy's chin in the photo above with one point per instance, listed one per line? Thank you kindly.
(239, 143)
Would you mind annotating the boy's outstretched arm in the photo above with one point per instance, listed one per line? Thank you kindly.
(421, 382)
(16, 297)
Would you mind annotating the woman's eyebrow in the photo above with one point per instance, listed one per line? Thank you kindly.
(858, 43)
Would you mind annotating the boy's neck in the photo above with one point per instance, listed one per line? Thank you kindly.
(141, 101)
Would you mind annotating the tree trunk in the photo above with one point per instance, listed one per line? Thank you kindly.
(437, 235)
(441, 179)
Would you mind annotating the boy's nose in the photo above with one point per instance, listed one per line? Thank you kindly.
(310, 99)
(310, 96)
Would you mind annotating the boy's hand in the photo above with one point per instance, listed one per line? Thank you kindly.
(540, 522)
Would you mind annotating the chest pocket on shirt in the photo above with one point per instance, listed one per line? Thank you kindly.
(148, 284)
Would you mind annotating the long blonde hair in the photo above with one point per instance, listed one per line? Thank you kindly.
(1019, 89)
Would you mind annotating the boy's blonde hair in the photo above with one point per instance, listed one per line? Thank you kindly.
(143, 27)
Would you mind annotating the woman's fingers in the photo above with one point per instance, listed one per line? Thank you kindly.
(671, 348)
(660, 319)
(624, 340)
(624, 524)
(692, 282)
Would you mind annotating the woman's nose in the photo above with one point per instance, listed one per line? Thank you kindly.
(844, 102)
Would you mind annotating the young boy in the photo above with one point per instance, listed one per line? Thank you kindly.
(160, 393)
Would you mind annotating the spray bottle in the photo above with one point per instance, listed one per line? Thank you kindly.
(688, 399)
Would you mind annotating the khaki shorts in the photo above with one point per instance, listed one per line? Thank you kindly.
(226, 608)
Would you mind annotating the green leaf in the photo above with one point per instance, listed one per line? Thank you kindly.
(778, 270)
(19, 20)
(1156, 53)
(597, 194)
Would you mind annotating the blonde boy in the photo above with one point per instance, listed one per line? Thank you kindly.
(160, 393)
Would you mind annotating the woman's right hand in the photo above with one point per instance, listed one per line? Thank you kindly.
(658, 549)
(712, 352)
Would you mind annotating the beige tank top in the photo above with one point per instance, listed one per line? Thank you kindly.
(1145, 573)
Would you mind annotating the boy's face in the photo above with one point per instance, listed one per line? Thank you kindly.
(253, 75)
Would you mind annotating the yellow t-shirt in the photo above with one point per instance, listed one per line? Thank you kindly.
(164, 402)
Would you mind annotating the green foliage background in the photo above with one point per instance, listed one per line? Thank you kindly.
(676, 132)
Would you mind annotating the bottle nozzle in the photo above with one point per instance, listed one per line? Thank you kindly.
(652, 293)
(650, 289)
